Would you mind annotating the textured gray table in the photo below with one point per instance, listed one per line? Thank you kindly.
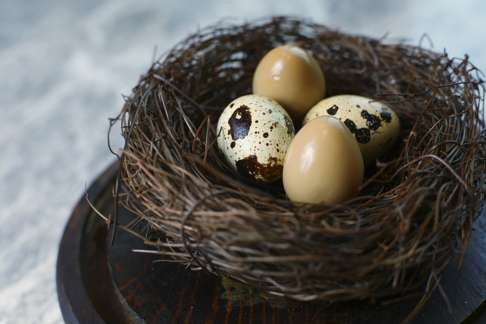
(63, 68)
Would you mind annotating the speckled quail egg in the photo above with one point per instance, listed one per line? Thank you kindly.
(323, 163)
(374, 125)
(254, 133)
(290, 75)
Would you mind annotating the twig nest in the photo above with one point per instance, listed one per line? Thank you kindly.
(415, 207)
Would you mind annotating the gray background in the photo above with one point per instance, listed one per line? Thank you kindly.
(63, 68)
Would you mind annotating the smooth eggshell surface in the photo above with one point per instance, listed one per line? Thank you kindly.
(374, 125)
(291, 76)
(323, 163)
(254, 133)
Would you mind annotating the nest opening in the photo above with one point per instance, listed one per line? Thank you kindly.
(416, 207)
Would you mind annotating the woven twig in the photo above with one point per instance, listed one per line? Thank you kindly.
(414, 212)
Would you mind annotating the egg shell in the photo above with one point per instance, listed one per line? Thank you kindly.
(375, 126)
(291, 76)
(323, 163)
(254, 133)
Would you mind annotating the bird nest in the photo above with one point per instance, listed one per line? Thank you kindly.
(414, 211)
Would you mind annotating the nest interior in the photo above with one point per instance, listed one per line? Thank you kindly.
(413, 213)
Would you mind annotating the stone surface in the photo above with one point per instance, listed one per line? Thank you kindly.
(64, 66)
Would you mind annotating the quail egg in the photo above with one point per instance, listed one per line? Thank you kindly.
(374, 125)
(254, 133)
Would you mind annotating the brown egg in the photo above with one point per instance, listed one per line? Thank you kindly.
(292, 77)
(323, 163)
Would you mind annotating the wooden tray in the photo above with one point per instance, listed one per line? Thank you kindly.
(98, 282)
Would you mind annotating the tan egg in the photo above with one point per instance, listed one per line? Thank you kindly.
(254, 133)
(323, 163)
(291, 76)
(374, 125)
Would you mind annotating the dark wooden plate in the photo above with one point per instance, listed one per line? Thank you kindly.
(98, 282)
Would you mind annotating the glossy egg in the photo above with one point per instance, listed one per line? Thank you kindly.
(323, 163)
(291, 76)
(254, 133)
(374, 125)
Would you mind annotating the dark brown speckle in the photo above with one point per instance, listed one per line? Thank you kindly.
(350, 125)
(386, 116)
(250, 167)
(332, 110)
(240, 122)
(363, 135)
(372, 121)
